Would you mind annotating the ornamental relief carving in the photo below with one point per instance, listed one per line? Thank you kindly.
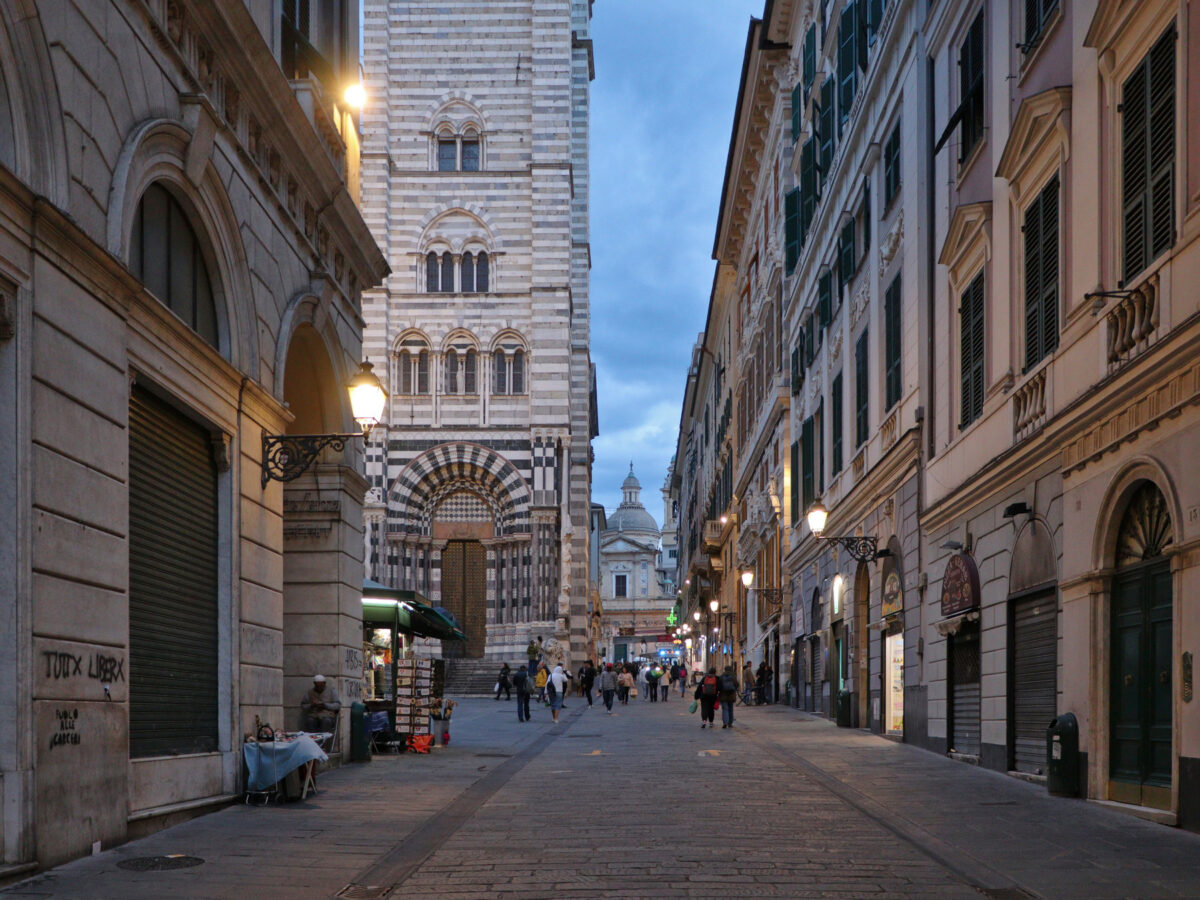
(891, 242)
(859, 305)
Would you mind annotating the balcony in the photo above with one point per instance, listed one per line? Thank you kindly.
(1029, 406)
(1133, 323)
(712, 535)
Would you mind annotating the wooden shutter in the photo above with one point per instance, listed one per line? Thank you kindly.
(847, 67)
(810, 58)
(837, 426)
(862, 392)
(791, 228)
(891, 312)
(810, 341)
(827, 129)
(971, 352)
(825, 300)
(891, 167)
(795, 371)
(819, 437)
(795, 491)
(866, 215)
(846, 245)
(808, 463)
(1161, 199)
(1041, 275)
(173, 702)
(808, 187)
(797, 108)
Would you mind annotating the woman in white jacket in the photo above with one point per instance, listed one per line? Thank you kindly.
(556, 687)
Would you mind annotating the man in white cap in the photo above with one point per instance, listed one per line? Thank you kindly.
(320, 706)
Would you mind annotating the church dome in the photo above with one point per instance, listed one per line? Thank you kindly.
(631, 515)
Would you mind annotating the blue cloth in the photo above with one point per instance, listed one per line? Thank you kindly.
(268, 761)
(378, 721)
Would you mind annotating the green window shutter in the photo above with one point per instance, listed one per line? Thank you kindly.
(874, 19)
(819, 437)
(1161, 199)
(891, 167)
(1041, 275)
(797, 108)
(847, 66)
(864, 37)
(836, 426)
(791, 228)
(795, 491)
(866, 215)
(971, 352)
(808, 464)
(1134, 132)
(862, 391)
(825, 300)
(810, 58)
(846, 245)
(970, 62)
(827, 129)
(892, 355)
(810, 341)
(808, 187)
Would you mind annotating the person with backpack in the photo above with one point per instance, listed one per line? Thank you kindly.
(556, 689)
(682, 679)
(729, 690)
(521, 682)
(708, 692)
(652, 676)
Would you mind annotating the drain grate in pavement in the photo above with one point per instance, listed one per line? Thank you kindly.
(493, 755)
(594, 735)
(364, 891)
(159, 863)
(1006, 893)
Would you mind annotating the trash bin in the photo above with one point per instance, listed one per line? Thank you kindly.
(1062, 756)
(360, 741)
(843, 709)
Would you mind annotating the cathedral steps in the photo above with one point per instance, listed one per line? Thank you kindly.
(471, 677)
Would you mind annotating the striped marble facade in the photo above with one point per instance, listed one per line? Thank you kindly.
(487, 435)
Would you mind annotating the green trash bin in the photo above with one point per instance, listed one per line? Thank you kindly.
(1062, 756)
(360, 743)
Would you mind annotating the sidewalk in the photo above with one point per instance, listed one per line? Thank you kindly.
(607, 806)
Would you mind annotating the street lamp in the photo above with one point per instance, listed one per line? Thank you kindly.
(696, 615)
(863, 549)
(714, 605)
(285, 457)
(747, 578)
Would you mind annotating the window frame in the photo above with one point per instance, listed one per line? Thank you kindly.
(972, 365)
(1040, 296)
(893, 342)
(862, 389)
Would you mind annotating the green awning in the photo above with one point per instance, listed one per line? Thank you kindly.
(407, 611)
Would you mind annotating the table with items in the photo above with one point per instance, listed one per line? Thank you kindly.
(268, 762)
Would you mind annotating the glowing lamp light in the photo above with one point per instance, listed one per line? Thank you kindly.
(747, 578)
(817, 514)
(367, 398)
(714, 605)
(696, 615)
(355, 96)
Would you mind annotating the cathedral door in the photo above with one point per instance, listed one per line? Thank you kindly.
(464, 593)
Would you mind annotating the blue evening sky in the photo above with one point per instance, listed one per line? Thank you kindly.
(662, 108)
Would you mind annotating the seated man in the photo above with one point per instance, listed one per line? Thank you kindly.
(319, 707)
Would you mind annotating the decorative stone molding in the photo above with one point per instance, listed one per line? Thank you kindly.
(859, 305)
(835, 340)
(1029, 406)
(859, 464)
(887, 431)
(891, 241)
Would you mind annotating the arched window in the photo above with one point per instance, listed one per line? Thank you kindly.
(452, 369)
(475, 272)
(518, 372)
(468, 273)
(470, 152)
(470, 369)
(439, 273)
(165, 255)
(499, 373)
(508, 363)
(412, 367)
(481, 272)
(458, 147)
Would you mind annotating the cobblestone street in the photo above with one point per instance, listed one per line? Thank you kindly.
(624, 806)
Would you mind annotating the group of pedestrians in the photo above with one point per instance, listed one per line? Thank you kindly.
(758, 686)
(548, 685)
(713, 689)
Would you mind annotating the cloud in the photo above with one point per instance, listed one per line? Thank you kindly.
(662, 107)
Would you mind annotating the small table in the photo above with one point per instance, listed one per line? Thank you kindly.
(269, 761)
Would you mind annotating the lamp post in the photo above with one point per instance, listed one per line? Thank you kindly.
(863, 549)
(285, 457)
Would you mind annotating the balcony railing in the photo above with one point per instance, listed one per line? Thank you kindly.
(1133, 323)
(1029, 406)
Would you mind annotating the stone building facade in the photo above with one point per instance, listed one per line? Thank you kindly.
(989, 215)
(181, 264)
(475, 183)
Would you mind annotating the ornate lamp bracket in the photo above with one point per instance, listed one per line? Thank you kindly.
(285, 457)
(863, 549)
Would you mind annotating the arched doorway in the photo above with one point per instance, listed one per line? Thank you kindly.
(1140, 664)
(464, 520)
(322, 578)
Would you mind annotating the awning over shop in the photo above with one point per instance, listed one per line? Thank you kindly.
(407, 611)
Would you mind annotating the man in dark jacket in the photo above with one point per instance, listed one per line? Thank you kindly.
(708, 691)
(521, 681)
(587, 679)
(729, 687)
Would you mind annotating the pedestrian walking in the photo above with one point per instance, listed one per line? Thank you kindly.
(729, 691)
(760, 683)
(682, 681)
(664, 685)
(522, 682)
(539, 681)
(652, 677)
(640, 678)
(768, 683)
(608, 686)
(747, 682)
(504, 682)
(707, 692)
(625, 684)
(556, 689)
(587, 680)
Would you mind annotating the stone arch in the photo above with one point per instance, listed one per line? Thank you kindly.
(306, 311)
(413, 493)
(483, 220)
(410, 334)
(443, 107)
(458, 338)
(1116, 498)
(29, 95)
(1034, 561)
(155, 152)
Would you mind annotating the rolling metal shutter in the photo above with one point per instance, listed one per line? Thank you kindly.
(172, 582)
(1035, 658)
(964, 672)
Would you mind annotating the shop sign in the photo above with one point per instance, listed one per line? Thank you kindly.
(893, 594)
(960, 585)
(626, 631)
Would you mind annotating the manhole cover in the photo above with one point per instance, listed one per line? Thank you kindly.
(159, 863)
(364, 891)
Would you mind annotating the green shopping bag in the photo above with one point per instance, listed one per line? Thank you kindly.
(692, 708)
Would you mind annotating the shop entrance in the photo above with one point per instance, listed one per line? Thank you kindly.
(1033, 680)
(964, 690)
(1140, 728)
(464, 594)
(893, 679)
(862, 673)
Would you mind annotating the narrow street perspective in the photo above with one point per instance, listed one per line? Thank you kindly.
(643, 803)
